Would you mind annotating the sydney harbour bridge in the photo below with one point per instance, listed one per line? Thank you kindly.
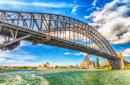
(55, 30)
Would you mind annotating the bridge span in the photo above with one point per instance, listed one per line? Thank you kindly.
(55, 30)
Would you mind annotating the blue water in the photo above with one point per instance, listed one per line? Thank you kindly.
(64, 77)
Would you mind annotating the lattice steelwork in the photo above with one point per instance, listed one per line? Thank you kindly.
(57, 26)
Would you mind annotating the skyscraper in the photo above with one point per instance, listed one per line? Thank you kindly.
(85, 65)
(97, 61)
(82, 64)
(105, 62)
(86, 59)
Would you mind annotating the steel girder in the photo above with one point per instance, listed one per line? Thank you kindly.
(58, 25)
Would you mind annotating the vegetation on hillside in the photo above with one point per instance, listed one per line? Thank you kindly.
(127, 67)
(61, 67)
(108, 66)
(24, 67)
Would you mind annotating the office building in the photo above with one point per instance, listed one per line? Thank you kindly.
(105, 62)
(86, 59)
(97, 61)
(82, 64)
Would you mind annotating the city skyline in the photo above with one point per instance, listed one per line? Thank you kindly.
(28, 54)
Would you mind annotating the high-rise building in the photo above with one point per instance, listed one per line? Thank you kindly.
(66, 65)
(82, 64)
(87, 60)
(97, 61)
(76, 65)
(105, 62)
(100, 63)
(85, 64)
(92, 62)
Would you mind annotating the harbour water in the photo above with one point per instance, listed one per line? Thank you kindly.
(65, 77)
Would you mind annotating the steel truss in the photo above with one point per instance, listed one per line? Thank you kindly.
(58, 26)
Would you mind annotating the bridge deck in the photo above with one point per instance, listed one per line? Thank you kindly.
(53, 41)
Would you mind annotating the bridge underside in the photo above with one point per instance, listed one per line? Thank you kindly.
(52, 41)
(37, 38)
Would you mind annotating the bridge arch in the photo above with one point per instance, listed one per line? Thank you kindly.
(59, 25)
(55, 30)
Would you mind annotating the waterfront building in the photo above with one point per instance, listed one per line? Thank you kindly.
(105, 62)
(85, 65)
(71, 66)
(76, 65)
(97, 61)
(100, 63)
(86, 59)
(92, 63)
(44, 66)
(82, 64)
(66, 65)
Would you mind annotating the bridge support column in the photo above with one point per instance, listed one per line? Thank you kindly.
(0, 27)
(121, 61)
(115, 64)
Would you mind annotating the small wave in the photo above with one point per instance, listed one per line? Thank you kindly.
(13, 79)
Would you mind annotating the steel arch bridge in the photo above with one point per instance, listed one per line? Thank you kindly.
(54, 30)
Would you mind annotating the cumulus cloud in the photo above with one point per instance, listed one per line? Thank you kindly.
(113, 21)
(67, 53)
(74, 9)
(2, 59)
(126, 52)
(94, 3)
(86, 17)
(80, 53)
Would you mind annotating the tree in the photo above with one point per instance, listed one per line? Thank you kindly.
(47, 63)
(56, 66)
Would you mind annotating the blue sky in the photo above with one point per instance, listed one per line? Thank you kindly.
(111, 16)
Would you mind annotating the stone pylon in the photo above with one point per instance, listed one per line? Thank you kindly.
(121, 62)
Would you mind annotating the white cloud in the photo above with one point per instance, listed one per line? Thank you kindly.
(94, 3)
(54, 5)
(2, 59)
(74, 9)
(113, 21)
(67, 53)
(74, 1)
(19, 63)
(76, 53)
(82, 53)
(126, 52)
(86, 17)
(15, 55)
(98, 8)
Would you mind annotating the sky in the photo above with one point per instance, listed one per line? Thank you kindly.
(110, 17)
